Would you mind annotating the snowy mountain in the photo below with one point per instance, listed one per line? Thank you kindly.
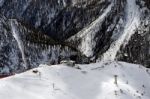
(119, 33)
(105, 80)
(35, 32)
(90, 49)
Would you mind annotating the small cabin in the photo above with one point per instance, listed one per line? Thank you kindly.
(68, 63)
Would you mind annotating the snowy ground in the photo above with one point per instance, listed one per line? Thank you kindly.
(94, 81)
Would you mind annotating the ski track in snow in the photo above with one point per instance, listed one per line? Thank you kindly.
(19, 42)
(132, 22)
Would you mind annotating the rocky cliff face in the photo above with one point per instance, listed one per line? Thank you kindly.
(45, 31)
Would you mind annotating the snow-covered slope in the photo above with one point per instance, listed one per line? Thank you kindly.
(88, 33)
(94, 81)
(132, 22)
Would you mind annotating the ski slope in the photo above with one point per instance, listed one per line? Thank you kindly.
(132, 23)
(94, 81)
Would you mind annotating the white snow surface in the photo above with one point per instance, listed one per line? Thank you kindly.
(132, 23)
(93, 81)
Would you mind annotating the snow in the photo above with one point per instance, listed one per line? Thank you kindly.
(2, 2)
(88, 33)
(93, 81)
(18, 39)
(132, 23)
(64, 3)
(26, 6)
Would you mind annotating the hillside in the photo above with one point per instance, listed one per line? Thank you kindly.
(94, 81)
(35, 32)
